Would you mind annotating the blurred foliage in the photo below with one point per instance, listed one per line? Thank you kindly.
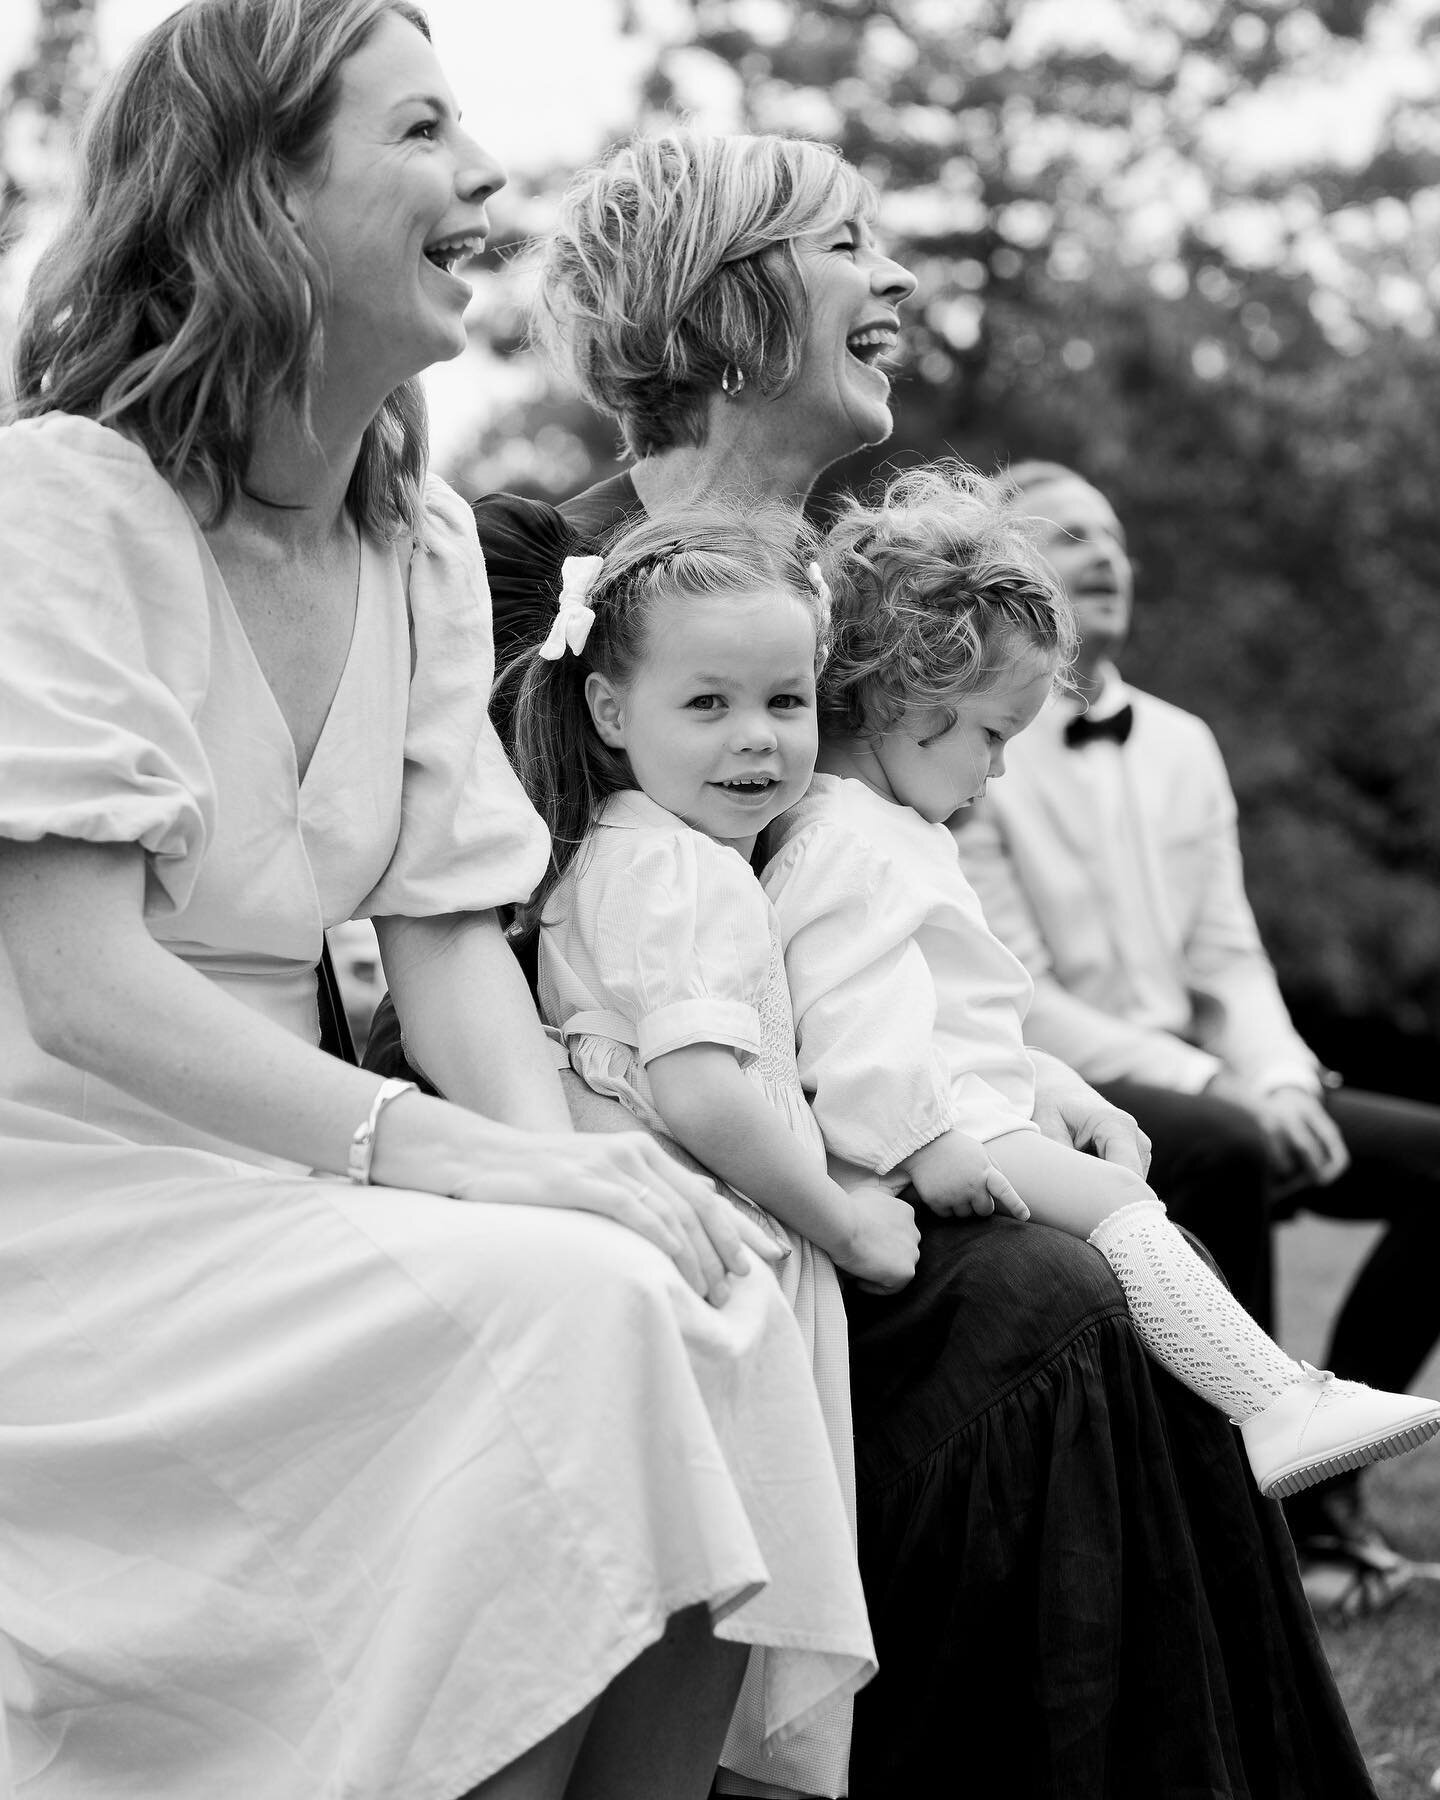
(40, 109)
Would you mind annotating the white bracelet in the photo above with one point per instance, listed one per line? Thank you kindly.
(362, 1145)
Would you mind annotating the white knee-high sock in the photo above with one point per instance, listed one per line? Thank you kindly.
(1189, 1320)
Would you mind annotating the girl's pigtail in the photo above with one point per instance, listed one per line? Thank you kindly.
(565, 769)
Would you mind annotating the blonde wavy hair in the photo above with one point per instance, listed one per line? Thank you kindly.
(674, 258)
(937, 590)
(179, 302)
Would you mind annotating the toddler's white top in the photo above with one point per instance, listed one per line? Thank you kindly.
(908, 1008)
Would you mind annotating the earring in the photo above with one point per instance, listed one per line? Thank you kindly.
(732, 380)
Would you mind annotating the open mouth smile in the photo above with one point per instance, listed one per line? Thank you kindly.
(748, 787)
(872, 344)
(448, 253)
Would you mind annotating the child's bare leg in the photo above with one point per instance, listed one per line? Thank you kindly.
(1064, 1187)
(544, 1769)
(660, 1725)
(655, 1733)
(1299, 1424)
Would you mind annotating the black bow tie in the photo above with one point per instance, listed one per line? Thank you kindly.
(1082, 729)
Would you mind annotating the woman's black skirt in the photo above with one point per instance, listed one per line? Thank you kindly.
(1076, 1590)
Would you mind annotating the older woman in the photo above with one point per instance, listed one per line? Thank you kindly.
(436, 1476)
(1074, 1588)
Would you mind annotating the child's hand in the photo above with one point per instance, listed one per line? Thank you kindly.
(955, 1178)
(883, 1242)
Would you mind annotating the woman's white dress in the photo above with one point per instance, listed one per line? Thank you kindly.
(657, 938)
(307, 1491)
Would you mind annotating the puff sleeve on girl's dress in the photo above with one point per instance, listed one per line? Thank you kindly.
(665, 943)
(104, 652)
(469, 838)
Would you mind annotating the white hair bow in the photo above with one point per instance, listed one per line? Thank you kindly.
(573, 618)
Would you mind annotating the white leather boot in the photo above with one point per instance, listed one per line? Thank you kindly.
(1299, 1424)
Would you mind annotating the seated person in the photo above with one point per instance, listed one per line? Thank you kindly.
(1022, 1469)
(1108, 861)
(354, 1441)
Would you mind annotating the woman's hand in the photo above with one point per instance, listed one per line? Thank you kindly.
(954, 1176)
(626, 1177)
(882, 1240)
(1069, 1111)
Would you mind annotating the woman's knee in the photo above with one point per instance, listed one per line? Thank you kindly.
(1021, 1280)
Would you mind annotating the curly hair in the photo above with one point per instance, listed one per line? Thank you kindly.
(179, 301)
(694, 554)
(937, 590)
(673, 258)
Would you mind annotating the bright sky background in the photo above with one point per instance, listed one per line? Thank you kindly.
(545, 80)
(540, 80)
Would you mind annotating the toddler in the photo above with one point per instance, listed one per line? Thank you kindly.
(949, 632)
(667, 719)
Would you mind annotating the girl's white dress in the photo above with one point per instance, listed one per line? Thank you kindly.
(656, 938)
(908, 1008)
(309, 1491)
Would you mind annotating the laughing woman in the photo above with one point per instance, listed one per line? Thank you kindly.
(487, 1464)
(1074, 1589)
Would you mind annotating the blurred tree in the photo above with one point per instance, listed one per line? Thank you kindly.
(40, 108)
(521, 430)
(1112, 272)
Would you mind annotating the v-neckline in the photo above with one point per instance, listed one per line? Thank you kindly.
(361, 559)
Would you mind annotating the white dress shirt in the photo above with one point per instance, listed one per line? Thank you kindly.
(1114, 874)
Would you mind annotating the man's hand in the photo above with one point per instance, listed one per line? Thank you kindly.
(1069, 1111)
(1304, 1142)
(1306, 1136)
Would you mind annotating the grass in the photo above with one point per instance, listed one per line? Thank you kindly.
(1388, 1667)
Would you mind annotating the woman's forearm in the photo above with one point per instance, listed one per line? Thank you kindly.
(469, 1021)
(722, 1119)
(101, 994)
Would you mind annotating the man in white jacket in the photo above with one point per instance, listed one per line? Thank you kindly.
(1108, 860)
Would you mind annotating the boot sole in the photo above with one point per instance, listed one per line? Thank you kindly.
(1357, 1456)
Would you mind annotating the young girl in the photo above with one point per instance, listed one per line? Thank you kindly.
(948, 634)
(667, 719)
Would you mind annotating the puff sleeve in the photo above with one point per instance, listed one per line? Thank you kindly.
(679, 934)
(864, 999)
(104, 651)
(469, 838)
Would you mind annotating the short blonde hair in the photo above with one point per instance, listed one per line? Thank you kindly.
(938, 590)
(673, 258)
